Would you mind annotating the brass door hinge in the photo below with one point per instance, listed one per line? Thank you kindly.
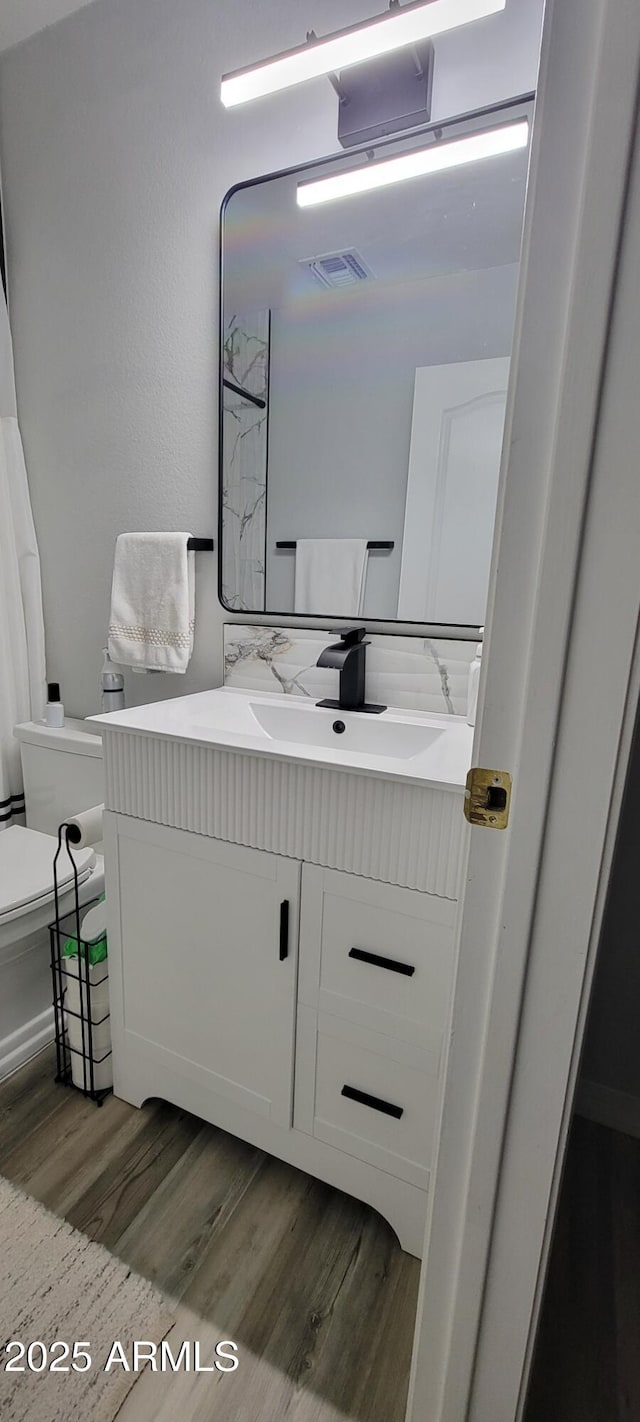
(487, 798)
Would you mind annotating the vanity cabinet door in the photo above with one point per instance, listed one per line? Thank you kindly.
(208, 950)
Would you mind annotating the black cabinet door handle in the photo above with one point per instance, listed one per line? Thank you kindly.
(284, 930)
(364, 956)
(376, 1104)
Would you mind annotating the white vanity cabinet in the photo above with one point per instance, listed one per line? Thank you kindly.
(302, 1008)
(281, 927)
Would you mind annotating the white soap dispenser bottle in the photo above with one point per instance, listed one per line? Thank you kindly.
(474, 678)
(54, 710)
(112, 685)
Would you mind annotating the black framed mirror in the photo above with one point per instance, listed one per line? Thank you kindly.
(365, 357)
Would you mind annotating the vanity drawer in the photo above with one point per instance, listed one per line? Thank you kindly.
(378, 955)
(375, 1098)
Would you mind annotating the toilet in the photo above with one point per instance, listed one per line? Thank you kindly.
(63, 774)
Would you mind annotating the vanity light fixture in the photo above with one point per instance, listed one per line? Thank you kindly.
(402, 25)
(434, 159)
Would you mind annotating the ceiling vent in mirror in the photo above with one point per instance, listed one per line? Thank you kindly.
(338, 269)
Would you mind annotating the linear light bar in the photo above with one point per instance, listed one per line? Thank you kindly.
(434, 159)
(414, 22)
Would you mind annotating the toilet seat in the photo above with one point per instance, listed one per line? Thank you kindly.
(26, 870)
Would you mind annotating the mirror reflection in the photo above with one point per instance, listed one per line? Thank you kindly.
(366, 345)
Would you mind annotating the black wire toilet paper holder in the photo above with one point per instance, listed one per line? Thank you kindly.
(62, 928)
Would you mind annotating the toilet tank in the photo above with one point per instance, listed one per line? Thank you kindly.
(62, 771)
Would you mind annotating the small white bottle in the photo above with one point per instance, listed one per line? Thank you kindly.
(112, 685)
(474, 678)
(54, 710)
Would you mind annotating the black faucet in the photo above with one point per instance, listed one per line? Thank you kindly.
(348, 655)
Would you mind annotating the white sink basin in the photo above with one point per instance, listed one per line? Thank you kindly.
(345, 731)
(402, 745)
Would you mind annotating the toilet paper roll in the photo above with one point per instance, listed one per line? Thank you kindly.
(85, 828)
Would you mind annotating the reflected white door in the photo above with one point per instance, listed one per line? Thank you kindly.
(454, 464)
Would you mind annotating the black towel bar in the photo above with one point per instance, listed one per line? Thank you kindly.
(385, 545)
(200, 545)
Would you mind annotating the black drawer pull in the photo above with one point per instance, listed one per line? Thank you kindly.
(374, 1102)
(364, 956)
(284, 930)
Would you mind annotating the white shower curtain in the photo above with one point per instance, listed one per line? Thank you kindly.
(22, 667)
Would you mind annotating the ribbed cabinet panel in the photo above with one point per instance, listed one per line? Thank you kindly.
(383, 829)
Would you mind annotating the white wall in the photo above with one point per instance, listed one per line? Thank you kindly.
(21, 18)
(115, 155)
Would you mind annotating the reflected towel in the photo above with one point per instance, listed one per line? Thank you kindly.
(152, 602)
(330, 576)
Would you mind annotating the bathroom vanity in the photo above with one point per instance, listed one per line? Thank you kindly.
(283, 874)
(282, 905)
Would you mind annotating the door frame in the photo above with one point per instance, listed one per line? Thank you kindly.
(561, 587)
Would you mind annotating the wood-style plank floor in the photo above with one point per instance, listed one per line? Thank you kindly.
(311, 1285)
(586, 1364)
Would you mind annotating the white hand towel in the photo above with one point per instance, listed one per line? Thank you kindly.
(152, 602)
(330, 576)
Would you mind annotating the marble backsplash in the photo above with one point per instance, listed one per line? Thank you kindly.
(415, 673)
(244, 462)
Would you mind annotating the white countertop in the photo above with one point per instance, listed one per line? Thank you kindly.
(411, 746)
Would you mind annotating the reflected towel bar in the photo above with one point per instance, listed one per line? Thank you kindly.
(244, 394)
(382, 545)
